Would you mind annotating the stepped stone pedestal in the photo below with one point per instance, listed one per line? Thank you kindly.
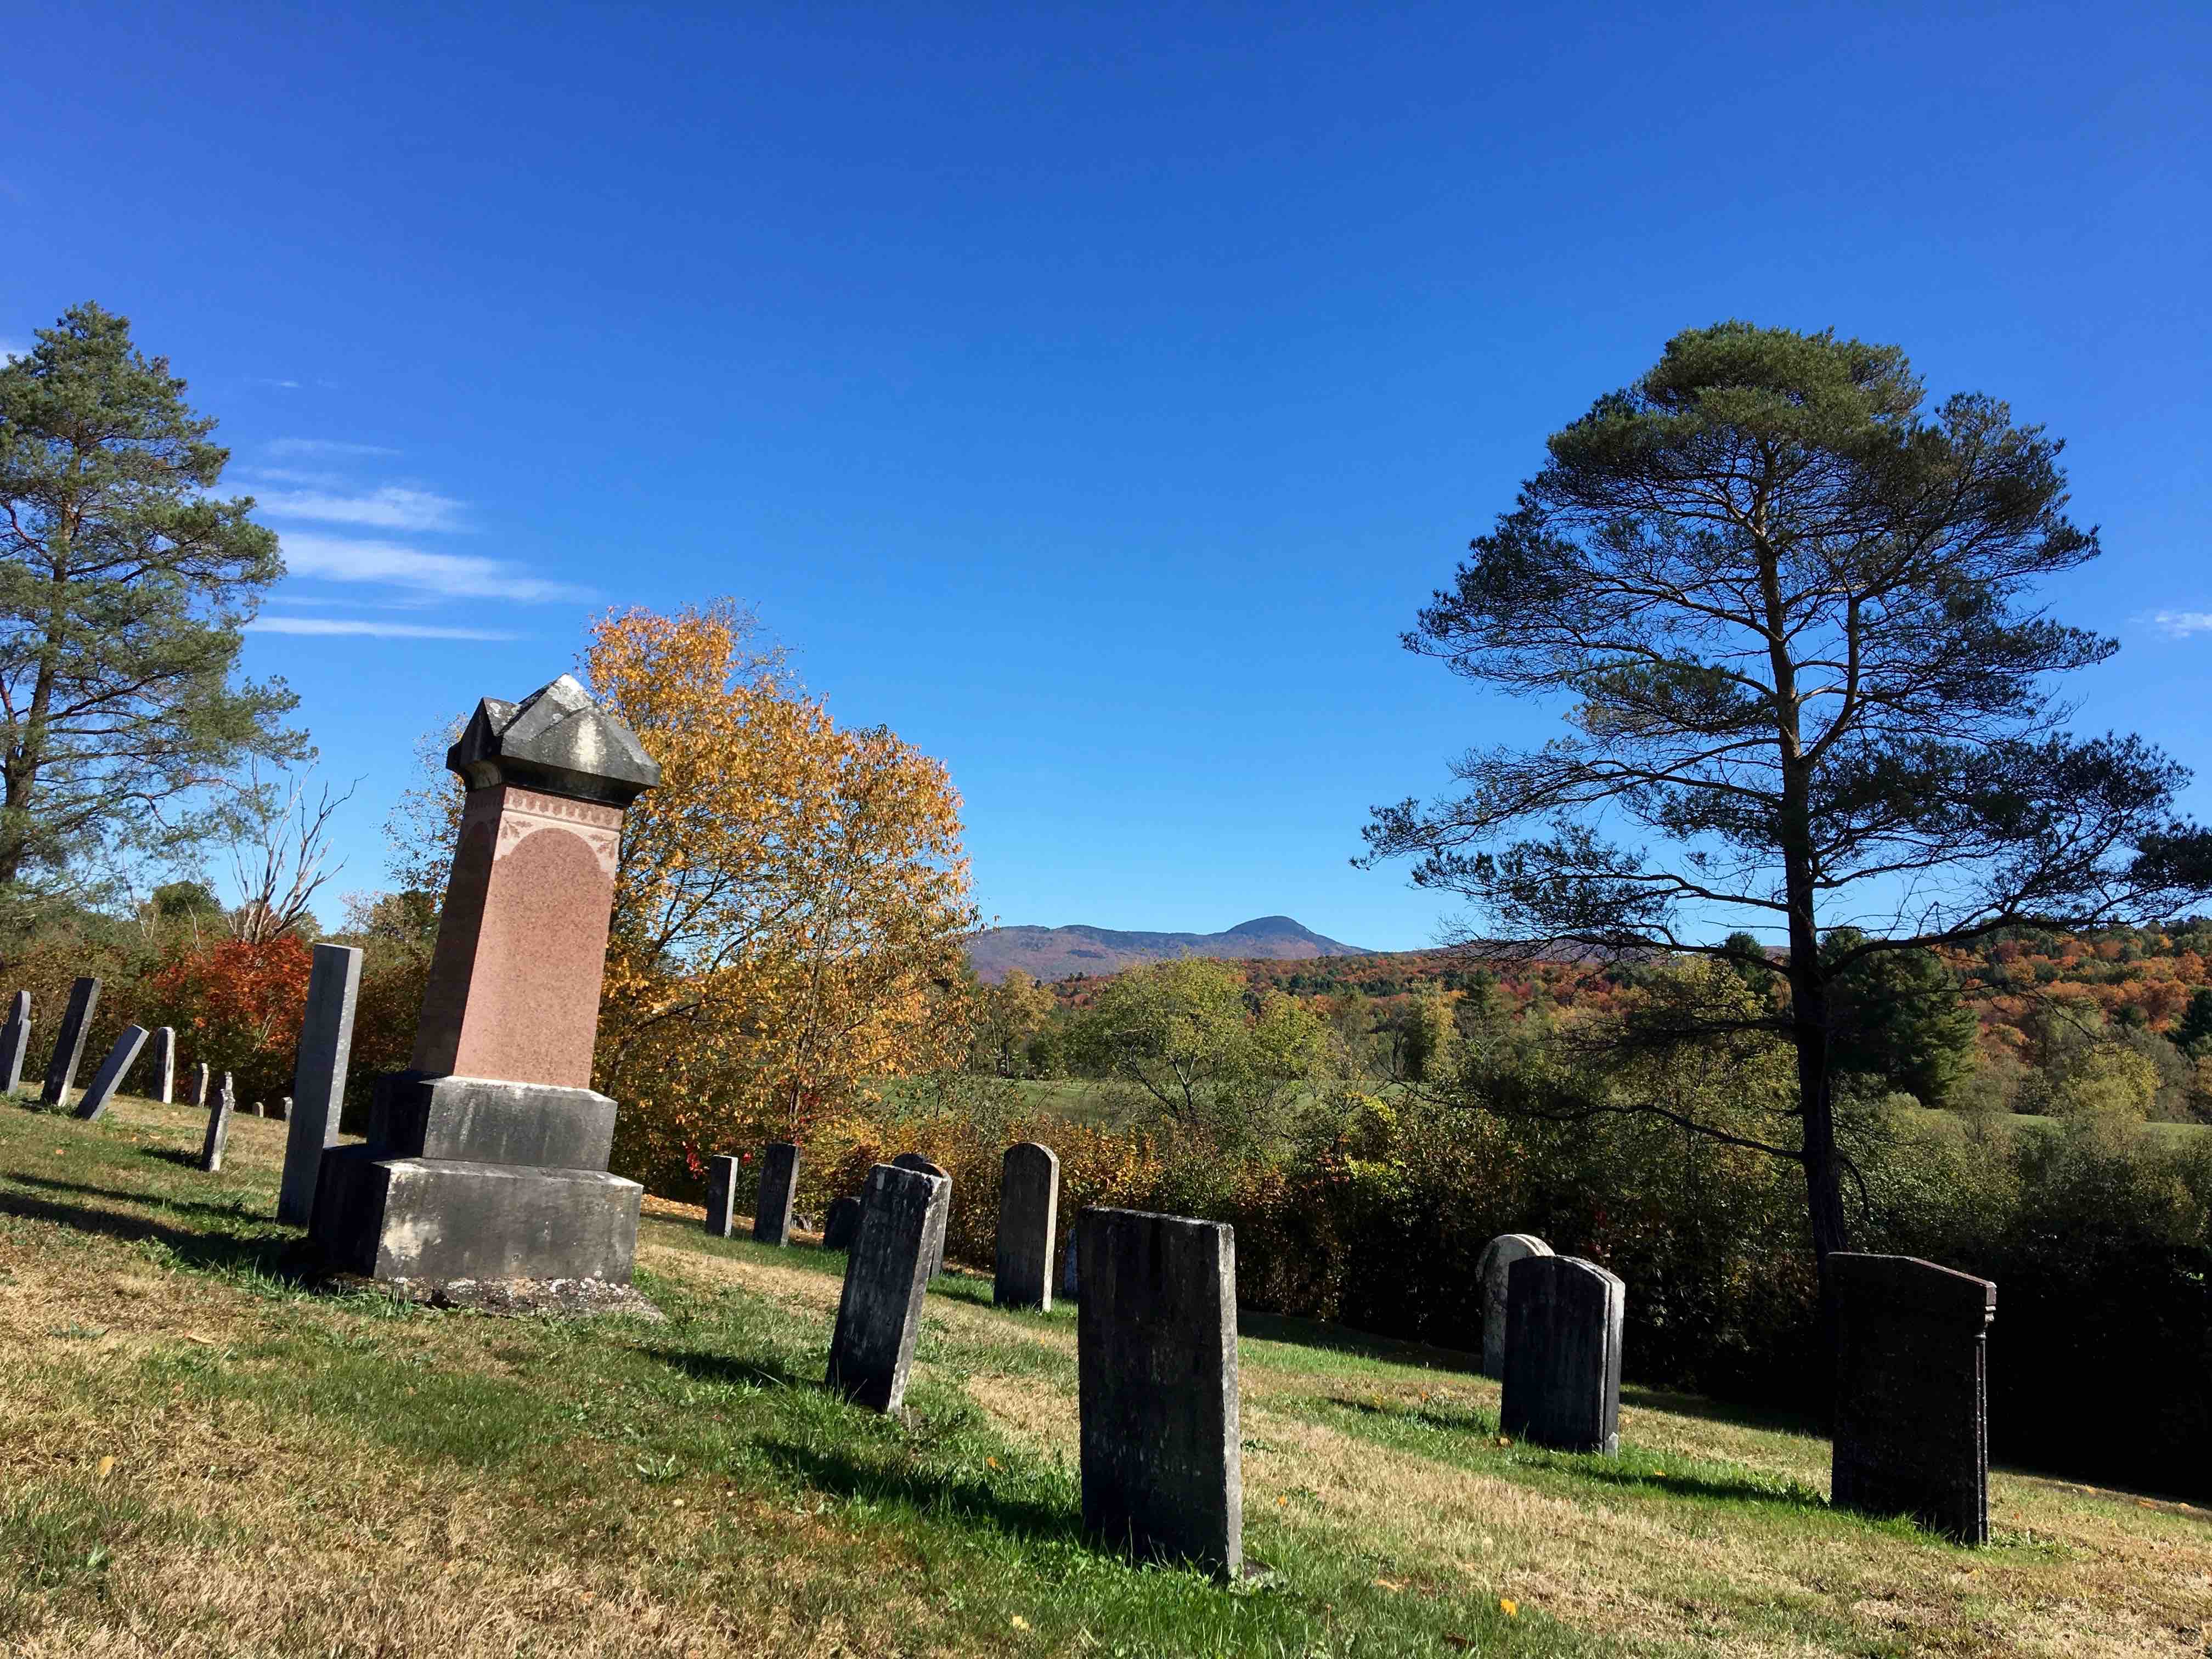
(487, 1159)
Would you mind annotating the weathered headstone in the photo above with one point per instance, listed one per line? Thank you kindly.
(917, 1162)
(283, 1112)
(1564, 1317)
(319, 1077)
(722, 1194)
(1071, 1288)
(1029, 1215)
(218, 1128)
(120, 1059)
(487, 1159)
(15, 1042)
(163, 1064)
(68, 1041)
(886, 1277)
(1155, 1364)
(259, 1110)
(1491, 1267)
(200, 1085)
(1911, 1433)
(841, 1225)
(779, 1186)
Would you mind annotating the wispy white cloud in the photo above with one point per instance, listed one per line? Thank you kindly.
(326, 626)
(284, 446)
(393, 506)
(447, 575)
(2180, 624)
(295, 475)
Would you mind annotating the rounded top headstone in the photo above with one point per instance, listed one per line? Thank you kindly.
(1490, 1272)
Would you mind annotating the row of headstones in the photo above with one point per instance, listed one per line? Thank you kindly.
(318, 1085)
(1912, 1405)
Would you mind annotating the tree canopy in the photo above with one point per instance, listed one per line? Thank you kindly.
(125, 583)
(1789, 618)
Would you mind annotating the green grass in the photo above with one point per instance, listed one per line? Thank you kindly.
(347, 1475)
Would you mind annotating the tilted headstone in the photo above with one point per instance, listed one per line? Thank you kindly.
(1912, 1426)
(68, 1041)
(841, 1225)
(917, 1162)
(487, 1158)
(15, 1042)
(1029, 1215)
(120, 1059)
(1491, 1267)
(163, 1064)
(886, 1277)
(218, 1128)
(200, 1085)
(1563, 1329)
(319, 1077)
(722, 1194)
(1155, 1364)
(779, 1186)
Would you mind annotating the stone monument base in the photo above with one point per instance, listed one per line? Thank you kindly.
(574, 1298)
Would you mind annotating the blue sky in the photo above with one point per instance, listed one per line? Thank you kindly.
(1092, 396)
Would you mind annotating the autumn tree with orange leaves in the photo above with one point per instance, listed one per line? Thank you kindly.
(789, 903)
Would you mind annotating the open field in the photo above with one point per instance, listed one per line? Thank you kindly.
(203, 1459)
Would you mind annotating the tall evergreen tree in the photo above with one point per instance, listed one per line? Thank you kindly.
(123, 585)
(1790, 617)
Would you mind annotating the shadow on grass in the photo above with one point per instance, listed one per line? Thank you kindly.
(221, 1251)
(1778, 1419)
(728, 1368)
(229, 1212)
(1336, 1339)
(846, 1477)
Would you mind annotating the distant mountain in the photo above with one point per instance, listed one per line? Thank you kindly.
(1049, 953)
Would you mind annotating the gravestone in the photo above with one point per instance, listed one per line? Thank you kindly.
(1070, 1286)
(120, 1059)
(15, 1042)
(163, 1063)
(1497, 1259)
(68, 1041)
(886, 1277)
(319, 1077)
(487, 1158)
(722, 1195)
(200, 1085)
(283, 1112)
(218, 1128)
(1563, 1329)
(258, 1109)
(779, 1186)
(917, 1162)
(841, 1225)
(1156, 1365)
(1029, 1215)
(1911, 1433)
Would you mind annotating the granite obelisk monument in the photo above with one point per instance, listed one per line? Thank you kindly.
(487, 1159)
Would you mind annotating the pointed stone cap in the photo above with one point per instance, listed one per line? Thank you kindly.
(555, 739)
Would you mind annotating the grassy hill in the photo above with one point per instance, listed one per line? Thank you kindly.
(202, 1459)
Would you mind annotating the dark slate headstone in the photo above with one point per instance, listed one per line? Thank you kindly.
(68, 1041)
(1912, 1428)
(1563, 1329)
(917, 1162)
(1071, 1287)
(841, 1225)
(218, 1128)
(1155, 1364)
(319, 1077)
(15, 1042)
(1029, 1215)
(886, 1277)
(722, 1195)
(162, 1085)
(120, 1059)
(779, 1186)
(1491, 1267)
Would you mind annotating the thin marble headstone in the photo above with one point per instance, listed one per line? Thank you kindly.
(886, 1277)
(200, 1085)
(120, 1059)
(917, 1162)
(1491, 1267)
(15, 1042)
(164, 1064)
(722, 1195)
(68, 1041)
(218, 1128)
(319, 1077)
